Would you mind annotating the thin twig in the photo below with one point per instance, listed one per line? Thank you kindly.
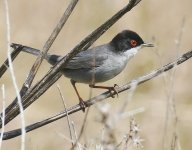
(84, 123)
(68, 119)
(69, 140)
(126, 101)
(53, 75)
(82, 128)
(132, 113)
(23, 132)
(165, 81)
(48, 44)
(75, 133)
(171, 104)
(172, 99)
(46, 47)
(3, 116)
(105, 95)
(5, 65)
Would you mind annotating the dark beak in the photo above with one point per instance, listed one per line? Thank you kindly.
(147, 45)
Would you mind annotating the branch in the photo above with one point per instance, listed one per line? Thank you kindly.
(36, 65)
(47, 46)
(101, 97)
(53, 75)
(5, 65)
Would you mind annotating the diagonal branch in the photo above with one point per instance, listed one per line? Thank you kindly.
(53, 75)
(101, 97)
(47, 45)
(39, 60)
(5, 65)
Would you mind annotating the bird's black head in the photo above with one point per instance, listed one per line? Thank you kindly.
(126, 40)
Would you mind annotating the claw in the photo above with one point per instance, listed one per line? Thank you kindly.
(116, 85)
(82, 105)
(109, 88)
(114, 90)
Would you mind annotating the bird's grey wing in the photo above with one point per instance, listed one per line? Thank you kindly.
(87, 60)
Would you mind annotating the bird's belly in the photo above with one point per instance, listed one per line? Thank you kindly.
(94, 75)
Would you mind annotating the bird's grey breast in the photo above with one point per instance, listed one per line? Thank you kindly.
(95, 65)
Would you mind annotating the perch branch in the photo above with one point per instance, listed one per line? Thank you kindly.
(47, 45)
(38, 61)
(105, 95)
(5, 65)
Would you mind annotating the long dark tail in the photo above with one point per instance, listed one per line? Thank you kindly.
(52, 59)
(27, 49)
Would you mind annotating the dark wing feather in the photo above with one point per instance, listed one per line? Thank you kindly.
(88, 59)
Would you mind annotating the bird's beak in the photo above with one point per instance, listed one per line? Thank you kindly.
(147, 45)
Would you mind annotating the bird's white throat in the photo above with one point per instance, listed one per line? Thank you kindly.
(132, 52)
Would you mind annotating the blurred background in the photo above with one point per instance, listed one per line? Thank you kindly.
(163, 100)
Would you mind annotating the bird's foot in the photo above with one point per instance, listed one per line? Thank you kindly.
(82, 104)
(112, 89)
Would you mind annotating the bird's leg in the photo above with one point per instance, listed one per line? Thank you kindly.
(110, 88)
(81, 102)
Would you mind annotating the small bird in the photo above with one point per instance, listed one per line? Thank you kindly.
(100, 63)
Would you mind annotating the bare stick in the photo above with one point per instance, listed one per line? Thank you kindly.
(53, 75)
(82, 129)
(3, 116)
(68, 119)
(171, 104)
(105, 95)
(69, 140)
(46, 47)
(23, 133)
(127, 101)
(5, 65)
(75, 133)
(48, 44)
(84, 123)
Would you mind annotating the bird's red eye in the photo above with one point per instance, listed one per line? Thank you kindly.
(133, 43)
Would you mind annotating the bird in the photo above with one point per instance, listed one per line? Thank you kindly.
(100, 63)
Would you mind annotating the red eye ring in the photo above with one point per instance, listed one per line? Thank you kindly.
(133, 43)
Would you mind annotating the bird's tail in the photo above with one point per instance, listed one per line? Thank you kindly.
(52, 59)
(27, 49)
